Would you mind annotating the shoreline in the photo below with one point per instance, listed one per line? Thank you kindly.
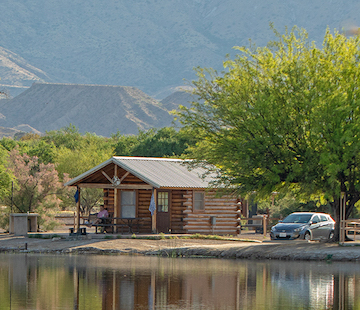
(234, 248)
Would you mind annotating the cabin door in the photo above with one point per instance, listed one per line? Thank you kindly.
(163, 212)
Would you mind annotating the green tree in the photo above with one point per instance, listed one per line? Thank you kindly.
(124, 144)
(33, 145)
(162, 142)
(76, 154)
(6, 176)
(283, 116)
(68, 137)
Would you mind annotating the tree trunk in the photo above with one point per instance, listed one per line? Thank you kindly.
(335, 205)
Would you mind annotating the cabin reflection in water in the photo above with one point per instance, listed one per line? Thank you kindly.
(133, 291)
(125, 282)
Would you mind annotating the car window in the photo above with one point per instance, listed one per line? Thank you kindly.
(316, 219)
(323, 218)
(297, 218)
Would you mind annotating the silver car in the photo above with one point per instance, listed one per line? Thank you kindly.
(304, 225)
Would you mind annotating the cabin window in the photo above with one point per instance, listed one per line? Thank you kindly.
(163, 201)
(128, 204)
(199, 201)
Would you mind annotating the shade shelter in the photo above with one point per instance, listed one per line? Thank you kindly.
(164, 193)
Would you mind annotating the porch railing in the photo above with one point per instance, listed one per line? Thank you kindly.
(349, 226)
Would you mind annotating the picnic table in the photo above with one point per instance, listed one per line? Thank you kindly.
(115, 223)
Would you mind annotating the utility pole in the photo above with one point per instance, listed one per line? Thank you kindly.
(12, 196)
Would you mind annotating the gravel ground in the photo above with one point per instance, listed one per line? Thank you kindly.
(250, 246)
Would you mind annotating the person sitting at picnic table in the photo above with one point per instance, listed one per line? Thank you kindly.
(101, 215)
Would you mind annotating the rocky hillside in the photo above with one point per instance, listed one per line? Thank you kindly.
(103, 110)
(179, 97)
(151, 45)
(16, 74)
(17, 132)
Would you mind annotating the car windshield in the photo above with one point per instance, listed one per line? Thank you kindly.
(297, 218)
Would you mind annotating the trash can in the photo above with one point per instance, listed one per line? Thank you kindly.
(22, 223)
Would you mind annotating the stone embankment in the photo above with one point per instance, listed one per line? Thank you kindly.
(178, 247)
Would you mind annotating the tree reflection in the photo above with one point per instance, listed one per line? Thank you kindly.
(92, 282)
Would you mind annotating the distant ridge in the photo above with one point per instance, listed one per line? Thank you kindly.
(180, 97)
(17, 74)
(152, 45)
(99, 109)
(17, 132)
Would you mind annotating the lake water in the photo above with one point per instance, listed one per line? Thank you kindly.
(137, 282)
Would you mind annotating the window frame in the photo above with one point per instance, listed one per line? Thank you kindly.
(324, 218)
(121, 203)
(202, 209)
(314, 217)
(168, 201)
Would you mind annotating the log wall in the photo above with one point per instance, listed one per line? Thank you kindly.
(109, 200)
(183, 219)
(144, 197)
(177, 211)
(224, 208)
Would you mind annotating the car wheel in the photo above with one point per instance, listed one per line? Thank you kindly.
(307, 236)
(331, 235)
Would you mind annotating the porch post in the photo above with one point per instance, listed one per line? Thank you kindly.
(342, 209)
(153, 217)
(78, 211)
(116, 211)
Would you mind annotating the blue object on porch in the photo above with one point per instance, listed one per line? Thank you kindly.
(76, 196)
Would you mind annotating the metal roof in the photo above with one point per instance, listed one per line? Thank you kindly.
(158, 172)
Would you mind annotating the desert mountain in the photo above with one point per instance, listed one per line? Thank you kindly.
(103, 110)
(151, 45)
(179, 97)
(17, 74)
(18, 131)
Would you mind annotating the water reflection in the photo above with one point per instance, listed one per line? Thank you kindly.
(126, 282)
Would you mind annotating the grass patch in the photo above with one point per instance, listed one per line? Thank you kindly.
(42, 236)
(162, 236)
(150, 238)
(199, 236)
(38, 236)
(108, 237)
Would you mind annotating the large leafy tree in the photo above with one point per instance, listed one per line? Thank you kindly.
(283, 117)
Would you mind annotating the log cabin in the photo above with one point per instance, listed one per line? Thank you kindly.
(164, 193)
